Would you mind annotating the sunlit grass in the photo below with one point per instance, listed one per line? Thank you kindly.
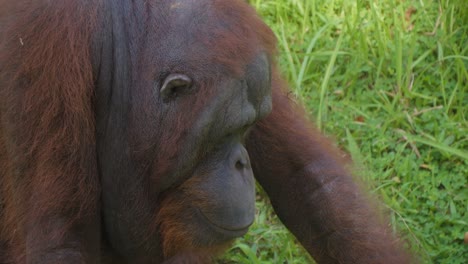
(389, 80)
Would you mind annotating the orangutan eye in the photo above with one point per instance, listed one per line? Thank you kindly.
(175, 85)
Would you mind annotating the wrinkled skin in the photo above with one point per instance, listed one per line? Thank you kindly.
(131, 132)
(188, 131)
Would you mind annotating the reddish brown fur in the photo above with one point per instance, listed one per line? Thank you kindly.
(342, 225)
(48, 160)
(47, 115)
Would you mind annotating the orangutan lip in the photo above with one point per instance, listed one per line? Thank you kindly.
(226, 230)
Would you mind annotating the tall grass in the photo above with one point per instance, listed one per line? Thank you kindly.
(389, 80)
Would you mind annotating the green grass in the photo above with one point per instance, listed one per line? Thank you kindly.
(389, 80)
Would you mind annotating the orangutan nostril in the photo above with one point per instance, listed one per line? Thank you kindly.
(240, 165)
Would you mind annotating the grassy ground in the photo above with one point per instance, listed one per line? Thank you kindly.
(389, 80)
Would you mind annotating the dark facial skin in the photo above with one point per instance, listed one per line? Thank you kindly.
(172, 131)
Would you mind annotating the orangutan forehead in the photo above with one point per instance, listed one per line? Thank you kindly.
(227, 33)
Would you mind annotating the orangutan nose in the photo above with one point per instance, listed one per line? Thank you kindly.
(240, 158)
